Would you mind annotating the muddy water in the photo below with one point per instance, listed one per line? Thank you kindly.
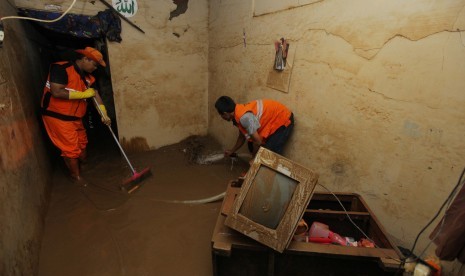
(98, 230)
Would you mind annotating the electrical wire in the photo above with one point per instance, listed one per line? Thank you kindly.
(347, 214)
(39, 20)
(447, 202)
(356, 226)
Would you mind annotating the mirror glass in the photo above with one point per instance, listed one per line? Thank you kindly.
(268, 197)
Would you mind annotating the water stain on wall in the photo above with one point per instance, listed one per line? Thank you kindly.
(338, 168)
(18, 143)
(369, 112)
(135, 144)
(412, 129)
(169, 109)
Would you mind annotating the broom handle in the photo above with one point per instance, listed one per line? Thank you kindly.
(96, 104)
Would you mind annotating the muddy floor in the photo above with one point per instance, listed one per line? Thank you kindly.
(100, 230)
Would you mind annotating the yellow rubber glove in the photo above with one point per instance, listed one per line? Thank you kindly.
(77, 95)
(105, 119)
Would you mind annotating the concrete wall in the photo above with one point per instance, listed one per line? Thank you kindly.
(377, 89)
(24, 166)
(160, 78)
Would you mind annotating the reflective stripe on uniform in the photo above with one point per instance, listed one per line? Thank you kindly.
(259, 109)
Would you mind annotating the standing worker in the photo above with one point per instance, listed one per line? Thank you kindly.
(64, 103)
(266, 123)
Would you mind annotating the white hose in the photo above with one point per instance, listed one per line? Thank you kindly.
(206, 160)
(215, 157)
(196, 201)
(39, 20)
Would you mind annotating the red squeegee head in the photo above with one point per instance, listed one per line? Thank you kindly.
(133, 183)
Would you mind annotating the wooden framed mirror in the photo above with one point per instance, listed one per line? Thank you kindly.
(273, 198)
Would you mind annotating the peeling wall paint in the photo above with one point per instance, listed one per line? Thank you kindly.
(376, 89)
(181, 7)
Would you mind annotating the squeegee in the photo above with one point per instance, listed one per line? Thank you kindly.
(133, 183)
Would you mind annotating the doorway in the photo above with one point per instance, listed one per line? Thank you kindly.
(55, 47)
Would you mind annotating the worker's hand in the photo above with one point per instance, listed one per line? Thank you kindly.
(105, 119)
(77, 95)
(228, 153)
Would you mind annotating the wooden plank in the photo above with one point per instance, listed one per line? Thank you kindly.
(225, 239)
(231, 194)
(390, 263)
(344, 197)
(313, 248)
(222, 246)
(355, 204)
(337, 213)
(350, 201)
(376, 227)
(271, 263)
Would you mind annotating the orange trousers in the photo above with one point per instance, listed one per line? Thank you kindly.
(69, 136)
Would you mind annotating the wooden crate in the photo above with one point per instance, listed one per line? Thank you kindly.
(236, 254)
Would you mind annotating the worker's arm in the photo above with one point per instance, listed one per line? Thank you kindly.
(98, 98)
(239, 142)
(59, 81)
(257, 139)
(59, 91)
(104, 115)
(251, 124)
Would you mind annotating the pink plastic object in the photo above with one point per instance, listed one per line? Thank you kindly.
(319, 230)
(337, 239)
(320, 240)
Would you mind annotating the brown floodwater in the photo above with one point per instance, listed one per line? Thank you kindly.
(100, 230)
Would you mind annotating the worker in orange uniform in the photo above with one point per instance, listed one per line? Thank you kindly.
(266, 123)
(66, 94)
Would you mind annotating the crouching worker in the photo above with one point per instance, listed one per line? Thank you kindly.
(67, 92)
(265, 123)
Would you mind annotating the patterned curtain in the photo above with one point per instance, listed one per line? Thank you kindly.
(105, 24)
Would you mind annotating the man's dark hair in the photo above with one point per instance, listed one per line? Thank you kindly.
(225, 104)
(78, 56)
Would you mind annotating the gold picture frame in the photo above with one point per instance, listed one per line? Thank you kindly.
(273, 198)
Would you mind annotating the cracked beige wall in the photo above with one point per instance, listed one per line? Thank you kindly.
(160, 79)
(377, 89)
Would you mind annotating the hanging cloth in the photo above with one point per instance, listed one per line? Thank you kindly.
(105, 24)
(450, 231)
(281, 47)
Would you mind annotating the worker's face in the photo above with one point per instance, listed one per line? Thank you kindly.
(226, 116)
(89, 65)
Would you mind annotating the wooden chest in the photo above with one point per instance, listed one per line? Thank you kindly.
(236, 254)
